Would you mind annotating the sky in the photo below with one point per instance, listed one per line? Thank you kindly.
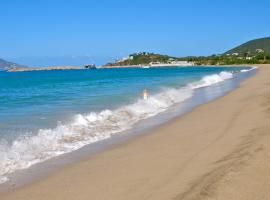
(55, 32)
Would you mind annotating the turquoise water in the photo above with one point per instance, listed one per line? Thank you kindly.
(47, 113)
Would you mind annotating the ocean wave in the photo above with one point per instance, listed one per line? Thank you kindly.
(249, 69)
(93, 127)
(211, 79)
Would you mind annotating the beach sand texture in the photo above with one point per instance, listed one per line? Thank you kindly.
(220, 150)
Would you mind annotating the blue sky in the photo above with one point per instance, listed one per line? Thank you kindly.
(48, 32)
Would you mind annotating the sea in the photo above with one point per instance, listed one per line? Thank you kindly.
(45, 114)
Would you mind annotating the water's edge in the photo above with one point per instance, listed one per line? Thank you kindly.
(40, 170)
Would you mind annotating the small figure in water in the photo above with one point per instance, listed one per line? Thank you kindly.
(145, 94)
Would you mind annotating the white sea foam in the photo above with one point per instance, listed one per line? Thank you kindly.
(3, 179)
(211, 79)
(250, 69)
(92, 127)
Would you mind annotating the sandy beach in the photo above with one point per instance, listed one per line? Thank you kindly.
(220, 150)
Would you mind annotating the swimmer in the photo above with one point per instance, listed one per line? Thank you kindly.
(145, 94)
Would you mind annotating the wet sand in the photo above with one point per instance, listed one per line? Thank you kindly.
(220, 150)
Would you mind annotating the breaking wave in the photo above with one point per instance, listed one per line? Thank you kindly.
(249, 69)
(93, 127)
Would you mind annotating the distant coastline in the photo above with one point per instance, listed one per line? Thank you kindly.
(250, 53)
(28, 69)
(145, 66)
(62, 68)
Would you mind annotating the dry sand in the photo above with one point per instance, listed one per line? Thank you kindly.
(220, 150)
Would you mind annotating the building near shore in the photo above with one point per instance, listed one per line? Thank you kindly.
(171, 63)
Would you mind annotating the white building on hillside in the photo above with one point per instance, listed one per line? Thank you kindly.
(259, 50)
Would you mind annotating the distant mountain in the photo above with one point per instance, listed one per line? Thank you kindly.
(252, 47)
(5, 65)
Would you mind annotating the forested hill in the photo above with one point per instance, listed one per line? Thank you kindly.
(252, 47)
(143, 58)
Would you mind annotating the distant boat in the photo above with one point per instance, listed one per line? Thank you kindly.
(145, 67)
(90, 66)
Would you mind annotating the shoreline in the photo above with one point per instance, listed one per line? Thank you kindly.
(163, 157)
(199, 97)
(63, 68)
(145, 66)
(173, 65)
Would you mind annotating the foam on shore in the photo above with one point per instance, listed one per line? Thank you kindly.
(250, 69)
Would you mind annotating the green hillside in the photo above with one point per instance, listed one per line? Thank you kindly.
(251, 46)
(142, 58)
(252, 52)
